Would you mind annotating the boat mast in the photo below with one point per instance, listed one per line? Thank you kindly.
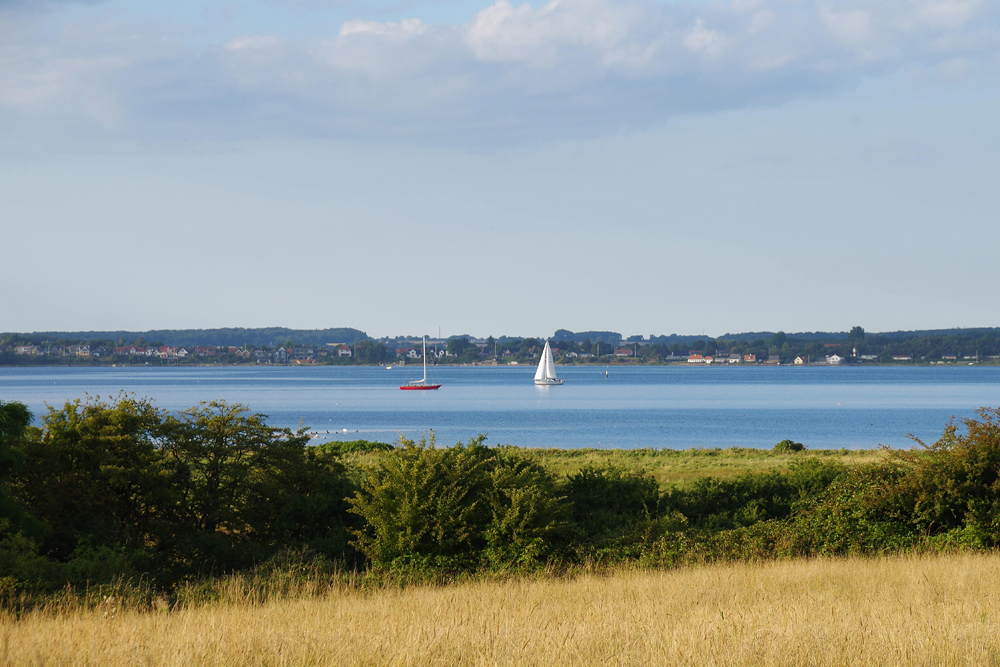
(425, 359)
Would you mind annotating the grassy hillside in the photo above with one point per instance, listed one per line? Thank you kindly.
(939, 610)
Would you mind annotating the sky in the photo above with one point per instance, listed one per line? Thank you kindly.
(409, 167)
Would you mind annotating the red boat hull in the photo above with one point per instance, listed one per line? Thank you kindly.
(423, 387)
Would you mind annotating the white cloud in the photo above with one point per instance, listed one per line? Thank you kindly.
(568, 68)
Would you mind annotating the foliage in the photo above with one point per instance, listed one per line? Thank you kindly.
(789, 446)
(456, 507)
(118, 490)
(354, 446)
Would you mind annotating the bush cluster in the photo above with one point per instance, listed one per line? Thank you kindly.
(111, 490)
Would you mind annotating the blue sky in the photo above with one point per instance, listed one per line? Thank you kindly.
(500, 168)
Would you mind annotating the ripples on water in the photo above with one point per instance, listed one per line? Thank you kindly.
(664, 406)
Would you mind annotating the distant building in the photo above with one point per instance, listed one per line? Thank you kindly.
(344, 351)
(734, 358)
(26, 349)
(773, 359)
(801, 361)
(902, 357)
(695, 359)
(834, 359)
(623, 352)
(750, 358)
(708, 360)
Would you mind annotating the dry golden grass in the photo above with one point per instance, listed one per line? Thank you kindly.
(942, 610)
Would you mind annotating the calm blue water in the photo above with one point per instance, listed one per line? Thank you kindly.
(635, 407)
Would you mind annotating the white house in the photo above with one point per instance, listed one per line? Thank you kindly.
(834, 359)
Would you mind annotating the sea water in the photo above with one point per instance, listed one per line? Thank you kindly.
(616, 406)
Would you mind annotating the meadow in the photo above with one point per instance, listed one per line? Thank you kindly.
(912, 610)
(673, 467)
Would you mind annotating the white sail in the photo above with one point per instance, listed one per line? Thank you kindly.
(546, 373)
(550, 364)
(540, 373)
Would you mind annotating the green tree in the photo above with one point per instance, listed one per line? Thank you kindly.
(371, 352)
(457, 347)
(225, 461)
(95, 475)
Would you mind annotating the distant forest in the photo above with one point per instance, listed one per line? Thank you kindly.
(236, 336)
(314, 346)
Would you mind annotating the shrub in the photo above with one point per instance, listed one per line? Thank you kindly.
(355, 446)
(787, 446)
(608, 500)
(457, 507)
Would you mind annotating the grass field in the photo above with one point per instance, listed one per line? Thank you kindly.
(932, 610)
(677, 467)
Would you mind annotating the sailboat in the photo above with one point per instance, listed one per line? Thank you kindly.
(546, 373)
(422, 383)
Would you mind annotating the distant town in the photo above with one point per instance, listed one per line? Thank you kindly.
(354, 347)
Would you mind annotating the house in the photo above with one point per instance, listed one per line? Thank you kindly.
(302, 353)
(181, 353)
(262, 357)
(26, 349)
(695, 359)
(344, 351)
(834, 359)
(902, 357)
(801, 361)
(708, 360)
(572, 355)
(869, 357)
(773, 359)
(280, 356)
(79, 350)
(623, 352)
(750, 358)
(734, 358)
(206, 350)
(413, 353)
(949, 357)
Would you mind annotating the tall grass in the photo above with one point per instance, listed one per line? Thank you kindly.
(911, 610)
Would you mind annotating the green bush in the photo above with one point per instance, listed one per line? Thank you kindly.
(457, 507)
(355, 446)
(605, 498)
(721, 504)
(786, 446)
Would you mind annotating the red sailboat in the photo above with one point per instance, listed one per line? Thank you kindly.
(422, 384)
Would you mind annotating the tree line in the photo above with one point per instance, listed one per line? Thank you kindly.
(105, 490)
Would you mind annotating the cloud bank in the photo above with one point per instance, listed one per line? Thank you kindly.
(510, 74)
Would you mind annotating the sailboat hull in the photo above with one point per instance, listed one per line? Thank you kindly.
(548, 381)
(422, 387)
